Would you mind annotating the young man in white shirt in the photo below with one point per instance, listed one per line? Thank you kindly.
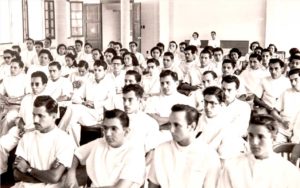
(12, 91)
(78, 48)
(218, 60)
(133, 49)
(5, 66)
(169, 64)
(45, 153)
(120, 163)
(87, 55)
(58, 87)
(28, 54)
(214, 42)
(150, 82)
(88, 109)
(185, 161)
(159, 107)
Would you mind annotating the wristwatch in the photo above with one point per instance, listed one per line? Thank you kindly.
(29, 170)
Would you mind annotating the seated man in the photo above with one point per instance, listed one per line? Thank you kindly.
(88, 108)
(5, 66)
(159, 107)
(45, 153)
(58, 87)
(169, 64)
(261, 167)
(120, 164)
(184, 161)
(12, 90)
(150, 82)
(45, 58)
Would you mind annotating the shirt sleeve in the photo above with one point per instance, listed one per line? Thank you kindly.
(65, 151)
(84, 151)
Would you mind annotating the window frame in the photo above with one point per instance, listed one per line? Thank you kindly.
(25, 21)
(48, 19)
(71, 19)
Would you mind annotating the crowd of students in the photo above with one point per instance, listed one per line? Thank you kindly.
(182, 117)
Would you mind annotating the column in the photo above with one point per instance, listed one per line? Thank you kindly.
(125, 22)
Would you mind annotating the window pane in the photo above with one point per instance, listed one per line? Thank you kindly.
(76, 6)
(47, 23)
(51, 15)
(46, 6)
(46, 14)
(52, 32)
(51, 6)
(52, 23)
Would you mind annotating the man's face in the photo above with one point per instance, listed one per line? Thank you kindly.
(96, 55)
(117, 66)
(218, 56)
(78, 47)
(189, 57)
(7, 58)
(130, 79)
(114, 132)
(108, 57)
(117, 47)
(295, 81)
(180, 129)
(37, 85)
(227, 69)
(152, 68)
(204, 59)
(181, 48)
(234, 56)
(275, 70)
(254, 63)
(266, 56)
(15, 69)
(87, 49)
(155, 54)
(213, 35)
(99, 73)
(230, 91)
(168, 85)
(47, 44)
(260, 141)
(43, 121)
(82, 71)
(167, 62)
(295, 64)
(172, 47)
(38, 48)
(29, 45)
(133, 48)
(54, 73)
(208, 80)
(212, 106)
(131, 102)
(44, 59)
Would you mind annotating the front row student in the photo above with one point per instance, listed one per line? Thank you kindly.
(261, 167)
(45, 153)
(110, 161)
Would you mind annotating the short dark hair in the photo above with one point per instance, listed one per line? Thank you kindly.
(119, 114)
(196, 33)
(111, 50)
(169, 54)
(273, 46)
(79, 41)
(214, 75)
(118, 43)
(191, 48)
(294, 71)
(99, 63)
(40, 74)
(17, 47)
(49, 39)
(30, 40)
(152, 60)
(83, 63)
(216, 91)
(257, 56)
(265, 50)
(206, 51)
(166, 73)
(294, 57)
(156, 48)
(266, 121)
(48, 102)
(59, 46)
(19, 61)
(137, 76)
(161, 45)
(55, 63)
(136, 88)
(133, 42)
(232, 79)
(183, 43)
(226, 61)
(88, 44)
(218, 49)
(191, 114)
(135, 61)
(276, 60)
(252, 43)
(45, 51)
(174, 42)
(39, 43)
(118, 58)
(236, 50)
(8, 51)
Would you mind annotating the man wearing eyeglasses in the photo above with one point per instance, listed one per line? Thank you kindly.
(5, 66)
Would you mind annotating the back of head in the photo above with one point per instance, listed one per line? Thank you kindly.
(119, 114)
(136, 88)
(48, 102)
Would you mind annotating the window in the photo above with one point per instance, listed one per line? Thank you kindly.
(49, 19)
(76, 19)
(25, 19)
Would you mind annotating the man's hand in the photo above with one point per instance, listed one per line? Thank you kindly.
(89, 104)
(21, 164)
(70, 180)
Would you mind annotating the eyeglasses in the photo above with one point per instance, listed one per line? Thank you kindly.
(7, 57)
(36, 84)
